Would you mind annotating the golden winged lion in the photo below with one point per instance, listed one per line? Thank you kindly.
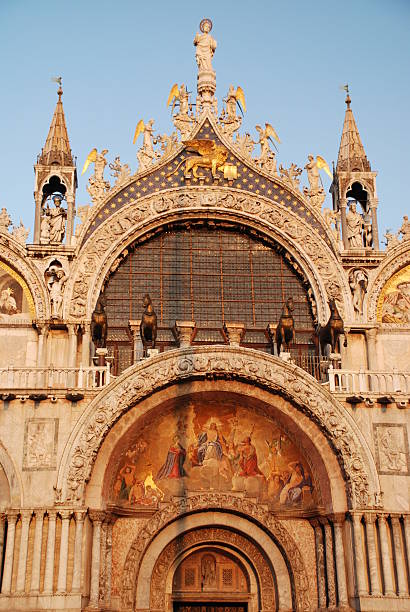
(211, 155)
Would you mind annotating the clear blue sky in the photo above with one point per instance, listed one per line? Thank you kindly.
(119, 59)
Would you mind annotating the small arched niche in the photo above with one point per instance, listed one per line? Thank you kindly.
(358, 193)
(53, 186)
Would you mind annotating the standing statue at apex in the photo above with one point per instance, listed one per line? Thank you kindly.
(205, 47)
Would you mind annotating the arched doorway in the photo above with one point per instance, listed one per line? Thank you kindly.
(210, 579)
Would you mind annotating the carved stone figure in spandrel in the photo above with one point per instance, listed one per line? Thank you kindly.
(99, 327)
(358, 284)
(57, 278)
(148, 326)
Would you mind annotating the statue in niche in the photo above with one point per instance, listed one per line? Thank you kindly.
(367, 229)
(208, 572)
(205, 47)
(52, 226)
(148, 326)
(358, 282)
(99, 327)
(5, 221)
(56, 279)
(355, 225)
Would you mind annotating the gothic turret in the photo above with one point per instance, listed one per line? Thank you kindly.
(55, 184)
(354, 184)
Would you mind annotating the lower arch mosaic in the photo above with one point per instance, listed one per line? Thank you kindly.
(213, 446)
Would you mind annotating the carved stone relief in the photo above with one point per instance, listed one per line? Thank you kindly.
(396, 260)
(40, 444)
(222, 502)
(392, 449)
(243, 364)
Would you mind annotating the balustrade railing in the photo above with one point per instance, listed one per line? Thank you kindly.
(366, 381)
(92, 377)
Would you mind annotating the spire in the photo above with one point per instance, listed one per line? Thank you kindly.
(57, 148)
(352, 157)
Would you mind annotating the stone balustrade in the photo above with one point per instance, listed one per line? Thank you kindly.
(368, 381)
(92, 377)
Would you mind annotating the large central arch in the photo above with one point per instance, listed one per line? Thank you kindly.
(252, 367)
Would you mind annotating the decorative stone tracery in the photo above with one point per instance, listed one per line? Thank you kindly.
(142, 216)
(249, 365)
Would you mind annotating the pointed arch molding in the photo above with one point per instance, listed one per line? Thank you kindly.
(254, 367)
(141, 216)
(14, 255)
(13, 477)
(223, 505)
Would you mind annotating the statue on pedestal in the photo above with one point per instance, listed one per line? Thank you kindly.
(52, 226)
(205, 47)
(354, 223)
(97, 185)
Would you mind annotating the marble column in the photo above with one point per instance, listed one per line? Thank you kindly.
(62, 564)
(385, 555)
(2, 533)
(85, 350)
(22, 561)
(320, 563)
(375, 229)
(340, 563)
(9, 556)
(96, 517)
(78, 546)
(406, 518)
(108, 573)
(36, 562)
(72, 351)
(372, 361)
(42, 345)
(343, 206)
(51, 543)
(358, 555)
(370, 520)
(399, 556)
(330, 566)
(103, 561)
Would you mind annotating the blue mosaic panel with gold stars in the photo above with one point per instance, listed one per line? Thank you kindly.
(172, 175)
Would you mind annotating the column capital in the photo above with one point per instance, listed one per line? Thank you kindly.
(12, 514)
(338, 518)
(39, 512)
(97, 516)
(395, 519)
(26, 514)
(80, 515)
(370, 517)
(406, 518)
(65, 513)
(315, 522)
(382, 516)
(52, 514)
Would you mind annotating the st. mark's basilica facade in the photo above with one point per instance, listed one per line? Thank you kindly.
(204, 376)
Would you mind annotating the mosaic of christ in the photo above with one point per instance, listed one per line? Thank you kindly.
(197, 448)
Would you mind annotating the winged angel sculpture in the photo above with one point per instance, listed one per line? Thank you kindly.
(211, 156)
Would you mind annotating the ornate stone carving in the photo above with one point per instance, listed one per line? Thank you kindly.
(5, 221)
(115, 230)
(40, 444)
(97, 185)
(291, 175)
(121, 172)
(244, 364)
(14, 255)
(20, 233)
(53, 221)
(212, 535)
(56, 279)
(210, 501)
(396, 260)
(358, 281)
(392, 448)
(315, 193)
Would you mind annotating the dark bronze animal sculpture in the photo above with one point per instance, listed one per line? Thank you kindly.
(148, 326)
(99, 326)
(329, 334)
(285, 331)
